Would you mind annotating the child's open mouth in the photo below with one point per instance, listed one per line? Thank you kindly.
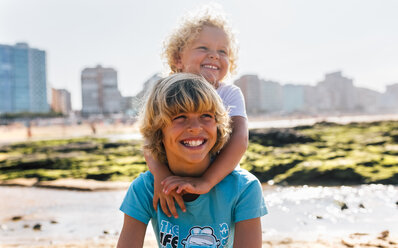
(193, 143)
(212, 67)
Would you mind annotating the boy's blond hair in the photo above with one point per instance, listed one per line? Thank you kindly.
(180, 93)
(189, 29)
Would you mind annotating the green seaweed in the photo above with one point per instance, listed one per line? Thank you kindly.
(356, 153)
(87, 158)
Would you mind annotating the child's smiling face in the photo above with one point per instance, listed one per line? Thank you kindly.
(188, 140)
(207, 55)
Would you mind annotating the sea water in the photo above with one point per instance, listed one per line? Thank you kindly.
(302, 212)
(307, 212)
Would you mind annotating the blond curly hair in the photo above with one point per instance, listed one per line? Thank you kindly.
(189, 29)
(180, 93)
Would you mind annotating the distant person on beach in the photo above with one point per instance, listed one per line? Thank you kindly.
(28, 129)
(93, 128)
(203, 44)
(185, 125)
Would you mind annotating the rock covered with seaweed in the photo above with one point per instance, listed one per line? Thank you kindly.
(326, 154)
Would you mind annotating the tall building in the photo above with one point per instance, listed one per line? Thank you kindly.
(311, 100)
(23, 79)
(336, 93)
(148, 84)
(389, 101)
(271, 100)
(100, 93)
(6, 78)
(368, 101)
(260, 96)
(61, 101)
(250, 87)
(293, 98)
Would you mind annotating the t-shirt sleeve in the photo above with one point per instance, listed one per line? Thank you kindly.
(233, 100)
(138, 200)
(250, 203)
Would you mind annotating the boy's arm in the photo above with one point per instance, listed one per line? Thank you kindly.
(160, 172)
(133, 233)
(248, 233)
(224, 164)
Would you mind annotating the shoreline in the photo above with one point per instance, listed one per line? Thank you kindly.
(90, 185)
(55, 231)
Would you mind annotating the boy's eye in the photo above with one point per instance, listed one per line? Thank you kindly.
(208, 116)
(202, 48)
(179, 117)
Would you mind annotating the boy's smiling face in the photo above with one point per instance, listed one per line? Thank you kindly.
(207, 55)
(188, 140)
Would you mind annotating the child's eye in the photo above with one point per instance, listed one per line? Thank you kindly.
(179, 118)
(202, 48)
(223, 52)
(207, 116)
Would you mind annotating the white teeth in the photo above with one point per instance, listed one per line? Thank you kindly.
(193, 143)
(211, 67)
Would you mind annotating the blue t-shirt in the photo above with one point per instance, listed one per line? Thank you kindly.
(208, 221)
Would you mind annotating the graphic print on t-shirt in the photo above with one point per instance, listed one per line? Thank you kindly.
(201, 238)
(198, 237)
(168, 234)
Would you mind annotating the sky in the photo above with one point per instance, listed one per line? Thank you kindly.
(287, 41)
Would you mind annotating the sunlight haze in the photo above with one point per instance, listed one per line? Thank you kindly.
(285, 41)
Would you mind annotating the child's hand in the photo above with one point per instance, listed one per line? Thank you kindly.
(194, 185)
(167, 200)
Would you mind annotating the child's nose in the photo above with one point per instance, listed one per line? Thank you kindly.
(213, 55)
(194, 125)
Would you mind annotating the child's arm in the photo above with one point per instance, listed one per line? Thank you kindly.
(248, 233)
(133, 233)
(160, 172)
(224, 164)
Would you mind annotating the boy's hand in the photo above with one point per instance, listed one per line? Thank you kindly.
(167, 200)
(194, 185)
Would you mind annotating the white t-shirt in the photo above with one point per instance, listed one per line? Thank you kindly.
(233, 99)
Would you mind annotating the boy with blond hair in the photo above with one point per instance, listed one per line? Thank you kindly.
(185, 125)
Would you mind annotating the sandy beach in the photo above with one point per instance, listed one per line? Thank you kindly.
(354, 240)
(38, 211)
(19, 133)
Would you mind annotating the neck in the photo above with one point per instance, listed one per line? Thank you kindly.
(186, 169)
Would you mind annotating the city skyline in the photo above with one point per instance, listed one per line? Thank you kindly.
(335, 94)
(297, 43)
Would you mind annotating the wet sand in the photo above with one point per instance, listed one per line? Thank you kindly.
(107, 236)
(354, 240)
(68, 184)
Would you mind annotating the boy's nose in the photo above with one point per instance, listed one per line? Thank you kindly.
(194, 126)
